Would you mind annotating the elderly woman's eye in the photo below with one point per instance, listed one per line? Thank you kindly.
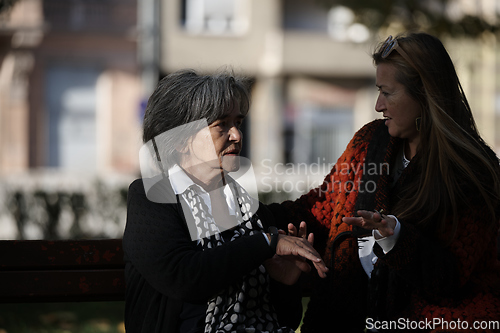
(217, 123)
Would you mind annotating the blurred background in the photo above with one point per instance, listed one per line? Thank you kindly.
(75, 76)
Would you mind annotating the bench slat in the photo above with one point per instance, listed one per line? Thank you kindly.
(66, 271)
(38, 254)
(64, 286)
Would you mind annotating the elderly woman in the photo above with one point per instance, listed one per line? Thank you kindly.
(199, 255)
(418, 250)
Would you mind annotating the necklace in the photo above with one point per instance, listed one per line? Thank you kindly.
(405, 160)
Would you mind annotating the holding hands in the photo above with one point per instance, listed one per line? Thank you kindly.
(292, 251)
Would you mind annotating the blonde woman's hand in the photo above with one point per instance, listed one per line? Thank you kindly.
(373, 220)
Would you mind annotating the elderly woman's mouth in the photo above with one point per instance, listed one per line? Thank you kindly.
(234, 152)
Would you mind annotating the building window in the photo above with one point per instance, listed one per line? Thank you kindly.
(321, 134)
(113, 16)
(305, 15)
(216, 17)
(71, 105)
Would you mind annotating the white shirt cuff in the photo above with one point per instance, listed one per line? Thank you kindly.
(387, 243)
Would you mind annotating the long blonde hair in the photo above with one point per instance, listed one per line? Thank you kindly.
(454, 161)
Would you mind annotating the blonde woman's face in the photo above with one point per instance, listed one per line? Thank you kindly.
(396, 105)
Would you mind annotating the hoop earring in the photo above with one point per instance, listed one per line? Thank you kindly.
(417, 123)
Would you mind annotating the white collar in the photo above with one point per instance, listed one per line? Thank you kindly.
(179, 180)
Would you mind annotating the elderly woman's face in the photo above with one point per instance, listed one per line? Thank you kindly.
(398, 108)
(217, 146)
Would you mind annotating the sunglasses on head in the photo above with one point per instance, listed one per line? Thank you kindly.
(390, 45)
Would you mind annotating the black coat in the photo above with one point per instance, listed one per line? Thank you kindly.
(166, 273)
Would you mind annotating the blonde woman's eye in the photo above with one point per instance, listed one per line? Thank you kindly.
(380, 91)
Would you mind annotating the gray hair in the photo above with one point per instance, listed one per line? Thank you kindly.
(184, 97)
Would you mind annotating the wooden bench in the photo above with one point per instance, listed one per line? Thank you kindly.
(61, 271)
(66, 271)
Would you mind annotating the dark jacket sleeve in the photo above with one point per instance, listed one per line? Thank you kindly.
(157, 243)
(438, 270)
(422, 263)
(287, 300)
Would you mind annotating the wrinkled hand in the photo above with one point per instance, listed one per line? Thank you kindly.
(373, 220)
(288, 268)
(301, 248)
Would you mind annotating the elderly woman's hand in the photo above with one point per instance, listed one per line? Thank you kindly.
(373, 220)
(288, 268)
(301, 247)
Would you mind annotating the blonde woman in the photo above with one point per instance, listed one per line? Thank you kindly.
(418, 249)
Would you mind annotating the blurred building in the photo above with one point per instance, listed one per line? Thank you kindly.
(70, 86)
(70, 108)
(75, 76)
(312, 71)
(314, 78)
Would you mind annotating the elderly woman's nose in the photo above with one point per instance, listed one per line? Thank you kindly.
(234, 134)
